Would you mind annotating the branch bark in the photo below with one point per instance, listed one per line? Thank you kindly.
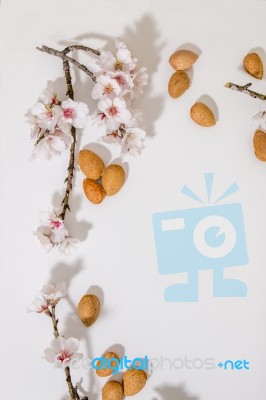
(64, 57)
(245, 89)
(70, 93)
(71, 164)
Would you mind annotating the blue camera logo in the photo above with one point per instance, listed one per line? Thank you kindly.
(209, 237)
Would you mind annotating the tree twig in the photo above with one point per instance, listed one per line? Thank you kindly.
(64, 57)
(72, 391)
(80, 47)
(71, 164)
(245, 89)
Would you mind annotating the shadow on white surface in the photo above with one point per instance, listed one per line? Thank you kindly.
(117, 349)
(79, 229)
(169, 392)
(101, 151)
(144, 40)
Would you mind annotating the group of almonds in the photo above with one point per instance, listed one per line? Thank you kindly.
(181, 61)
(254, 67)
(100, 181)
(134, 380)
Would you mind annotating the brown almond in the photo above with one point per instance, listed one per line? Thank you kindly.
(259, 143)
(90, 164)
(134, 381)
(182, 59)
(113, 179)
(178, 84)
(103, 372)
(112, 390)
(93, 191)
(202, 114)
(88, 309)
(253, 65)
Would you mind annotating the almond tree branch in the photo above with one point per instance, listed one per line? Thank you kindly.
(64, 57)
(72, 391)
(80, 47)
(71, 164)
(245, 89)
(70, 93)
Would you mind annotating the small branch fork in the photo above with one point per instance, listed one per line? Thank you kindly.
(63, 55)
(70, 93)
(245, 89)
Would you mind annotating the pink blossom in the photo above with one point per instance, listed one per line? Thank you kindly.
(73, 113)
(62, 351)
(114, 112)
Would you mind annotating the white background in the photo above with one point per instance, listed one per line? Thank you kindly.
(117, 254)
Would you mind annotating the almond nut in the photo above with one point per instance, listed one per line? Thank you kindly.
(202, 115)
(259, 143)
(112, 390)
(182, 59)
(88, 309)
(113, 179)
(134, 381)
(103, 372)
(253, 65)
(178, 84)
(93, 191)
(90, 164)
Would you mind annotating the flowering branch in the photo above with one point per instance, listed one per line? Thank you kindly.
(245, 89)
(71, 389)
(61, 351)
(118, 81)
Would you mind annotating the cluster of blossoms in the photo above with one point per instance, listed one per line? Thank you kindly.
(53, 233)
(118, 82)
(61, 352)
(52, 120)
(48, 297)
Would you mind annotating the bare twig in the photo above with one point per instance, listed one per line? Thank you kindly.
(71, 164)
(245, 89)
(64, 57)
(80, 47)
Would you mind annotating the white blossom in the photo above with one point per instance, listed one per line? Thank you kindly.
(39, 305)
(52, 145)
(53, 293)
(112, 137)
(62, 351)
(124, 60)
(53, 233)
(67, 245)
(49, 95)
(46, 116)
(124, 80)
(105, 86)
(114, 112)
(140, 79)
(73, 113)
(131, 144)
(260, 118)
